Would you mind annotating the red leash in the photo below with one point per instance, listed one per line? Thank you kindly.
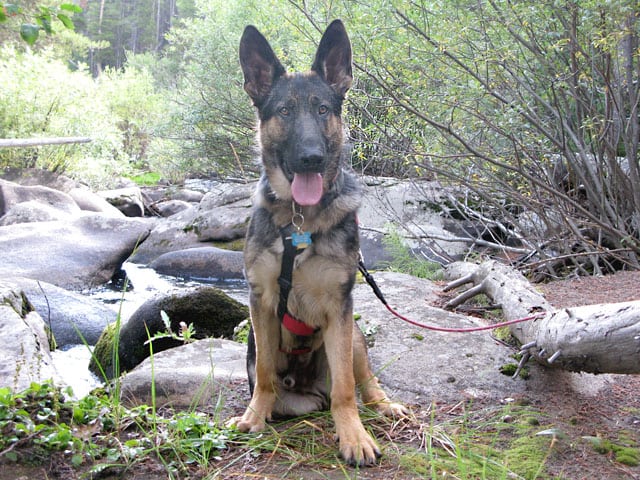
(463, 330)
(376, 290)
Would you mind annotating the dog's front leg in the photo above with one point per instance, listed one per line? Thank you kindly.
(356, 445)
(266, 330)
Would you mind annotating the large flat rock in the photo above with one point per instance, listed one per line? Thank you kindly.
(76, 254)
(421, 366)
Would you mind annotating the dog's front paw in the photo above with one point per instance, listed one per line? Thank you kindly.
(248, 423)
(391, 409)
(358, 449)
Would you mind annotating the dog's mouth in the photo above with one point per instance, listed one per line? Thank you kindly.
(307, 188)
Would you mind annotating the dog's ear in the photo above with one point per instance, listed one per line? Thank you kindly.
(259, 64)
(333, 58)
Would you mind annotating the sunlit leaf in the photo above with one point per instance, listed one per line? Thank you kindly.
(45, 22)
(70, 7)
(66, 21)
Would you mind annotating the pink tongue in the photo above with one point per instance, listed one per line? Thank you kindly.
(307, 188)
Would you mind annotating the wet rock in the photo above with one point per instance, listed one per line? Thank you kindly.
(73, 318)
(220, 216)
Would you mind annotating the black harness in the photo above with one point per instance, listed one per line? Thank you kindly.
(293, 245)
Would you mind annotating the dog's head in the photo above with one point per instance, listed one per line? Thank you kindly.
(301, 134)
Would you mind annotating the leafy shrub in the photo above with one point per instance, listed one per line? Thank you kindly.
(41, 97)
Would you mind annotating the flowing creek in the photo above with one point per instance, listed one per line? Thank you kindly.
(143, 283)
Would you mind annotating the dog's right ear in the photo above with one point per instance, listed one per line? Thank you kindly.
(259, 64)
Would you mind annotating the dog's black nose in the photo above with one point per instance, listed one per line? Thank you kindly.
(312, 161)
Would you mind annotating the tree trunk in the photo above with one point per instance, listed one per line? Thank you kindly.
(592, 338)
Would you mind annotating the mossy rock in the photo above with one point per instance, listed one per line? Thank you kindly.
(211, 311)
(101, 363)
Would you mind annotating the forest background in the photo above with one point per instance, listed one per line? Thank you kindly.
(527, 110)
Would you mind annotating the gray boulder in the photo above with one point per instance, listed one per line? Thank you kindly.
(25, 355)
(171, 207)
(38, 177)
(414, 209)
(209, 309)
(73, 318)
(127, 199)
(421, 366)
(92, 202)
(12, 194)
(79, 254)
(186, 376)
(208, 263)
(222, 215)
(32, 211)
(186, 195)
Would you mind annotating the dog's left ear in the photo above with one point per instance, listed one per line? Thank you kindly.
(333, 58)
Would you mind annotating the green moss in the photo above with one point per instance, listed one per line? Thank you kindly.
(102, 358)
(527, 456)
(233, 245)
(509, 369)
(417, 463)
(627, 455)
(624, 450)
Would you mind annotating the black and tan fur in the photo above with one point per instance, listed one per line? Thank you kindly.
(300, 130)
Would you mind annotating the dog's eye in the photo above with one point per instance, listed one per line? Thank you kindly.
(284, 111)
(323, 109)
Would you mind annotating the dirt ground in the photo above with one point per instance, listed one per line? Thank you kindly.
(612, 411)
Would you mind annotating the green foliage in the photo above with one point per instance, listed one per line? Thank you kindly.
(43, 420)
(42, 97)
(147, 178)
(40, 20)
(241, 332)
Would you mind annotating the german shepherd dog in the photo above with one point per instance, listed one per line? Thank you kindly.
(301, 254)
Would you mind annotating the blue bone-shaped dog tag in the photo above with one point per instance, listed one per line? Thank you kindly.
(301, 240)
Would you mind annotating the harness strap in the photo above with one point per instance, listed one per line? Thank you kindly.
(292, 324)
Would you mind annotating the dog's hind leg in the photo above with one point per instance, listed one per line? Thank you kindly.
(357, 447)
(371, 392)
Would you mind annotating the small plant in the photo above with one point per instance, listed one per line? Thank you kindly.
(241, 332)
(186, 334)
(405, 261)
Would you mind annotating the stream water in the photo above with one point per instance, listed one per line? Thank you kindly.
(142, 283)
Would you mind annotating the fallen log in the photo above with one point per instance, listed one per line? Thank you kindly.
(36, 142)
(602, 338)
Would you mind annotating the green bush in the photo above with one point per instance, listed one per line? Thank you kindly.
(42, 97)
